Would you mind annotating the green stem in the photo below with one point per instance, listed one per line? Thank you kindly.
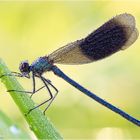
(38, 123)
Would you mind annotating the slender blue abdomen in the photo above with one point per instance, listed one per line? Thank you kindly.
(59, 73)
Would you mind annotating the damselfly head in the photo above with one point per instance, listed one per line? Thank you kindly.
(24, 68)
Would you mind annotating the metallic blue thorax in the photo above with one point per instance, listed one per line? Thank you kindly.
(40, 65)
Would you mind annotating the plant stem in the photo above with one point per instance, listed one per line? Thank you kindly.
(38, 123)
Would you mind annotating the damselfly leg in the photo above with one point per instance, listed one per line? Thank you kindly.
(46, 83)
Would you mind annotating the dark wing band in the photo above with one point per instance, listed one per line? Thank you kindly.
(116, 34)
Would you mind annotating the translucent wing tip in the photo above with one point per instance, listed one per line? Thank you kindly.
(128, 21)
(116, 34)
(125, 19)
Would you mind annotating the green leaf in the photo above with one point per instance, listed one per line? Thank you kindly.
(9, 130)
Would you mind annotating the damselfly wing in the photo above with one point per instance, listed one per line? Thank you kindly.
(116, 34)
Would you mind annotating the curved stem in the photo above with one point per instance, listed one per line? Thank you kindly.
(38, 123)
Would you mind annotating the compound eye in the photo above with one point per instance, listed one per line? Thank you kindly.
(24, 67)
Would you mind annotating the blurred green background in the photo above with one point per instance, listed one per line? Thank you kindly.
(32, 29)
